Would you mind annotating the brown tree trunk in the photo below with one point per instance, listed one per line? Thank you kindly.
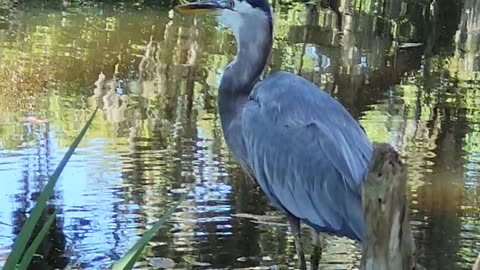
(389, 241)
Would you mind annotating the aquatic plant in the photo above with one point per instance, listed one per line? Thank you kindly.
(127, 262)
(24, 248)
(22, 253)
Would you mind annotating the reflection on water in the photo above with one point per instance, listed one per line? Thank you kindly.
(404, 70)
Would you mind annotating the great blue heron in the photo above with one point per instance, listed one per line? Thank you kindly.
(301, 146)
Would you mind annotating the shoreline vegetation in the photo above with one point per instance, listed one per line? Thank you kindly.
(37, 226)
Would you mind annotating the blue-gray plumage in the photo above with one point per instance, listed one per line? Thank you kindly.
(301, 146)
(307, 153)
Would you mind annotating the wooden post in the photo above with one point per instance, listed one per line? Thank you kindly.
(476, 266)
(389, 241)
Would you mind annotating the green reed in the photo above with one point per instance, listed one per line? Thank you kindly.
(21, 255)
(24, 250)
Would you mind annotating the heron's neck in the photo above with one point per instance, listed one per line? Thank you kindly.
(253, 48)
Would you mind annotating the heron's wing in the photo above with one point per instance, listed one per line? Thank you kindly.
(307, 153)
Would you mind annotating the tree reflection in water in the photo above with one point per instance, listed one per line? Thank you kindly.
(405, 69)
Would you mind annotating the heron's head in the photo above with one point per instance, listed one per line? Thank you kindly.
(243, 17)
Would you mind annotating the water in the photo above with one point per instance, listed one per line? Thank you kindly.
(158, 130)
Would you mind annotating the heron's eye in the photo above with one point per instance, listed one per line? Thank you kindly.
(232, 4)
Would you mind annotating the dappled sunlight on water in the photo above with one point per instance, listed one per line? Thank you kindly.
(155, 79)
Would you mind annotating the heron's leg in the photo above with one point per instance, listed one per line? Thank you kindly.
(317, 242)
(295, 226)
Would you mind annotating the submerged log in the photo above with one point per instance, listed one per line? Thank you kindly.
(389, 241)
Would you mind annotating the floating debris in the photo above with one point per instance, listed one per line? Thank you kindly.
(409, 45)
(271, 220)
(196, 263)
(267, 258)
(258, 217)
(164, 263)
(35, 120)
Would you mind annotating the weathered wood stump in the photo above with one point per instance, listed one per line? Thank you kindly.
(476, 266)
(389, 243)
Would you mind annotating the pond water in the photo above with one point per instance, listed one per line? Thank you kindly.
(410, 80)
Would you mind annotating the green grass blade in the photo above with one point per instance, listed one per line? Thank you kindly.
(27, 229)
(127, 262)
(28, 256)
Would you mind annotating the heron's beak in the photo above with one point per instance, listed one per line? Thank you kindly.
(203, 7)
